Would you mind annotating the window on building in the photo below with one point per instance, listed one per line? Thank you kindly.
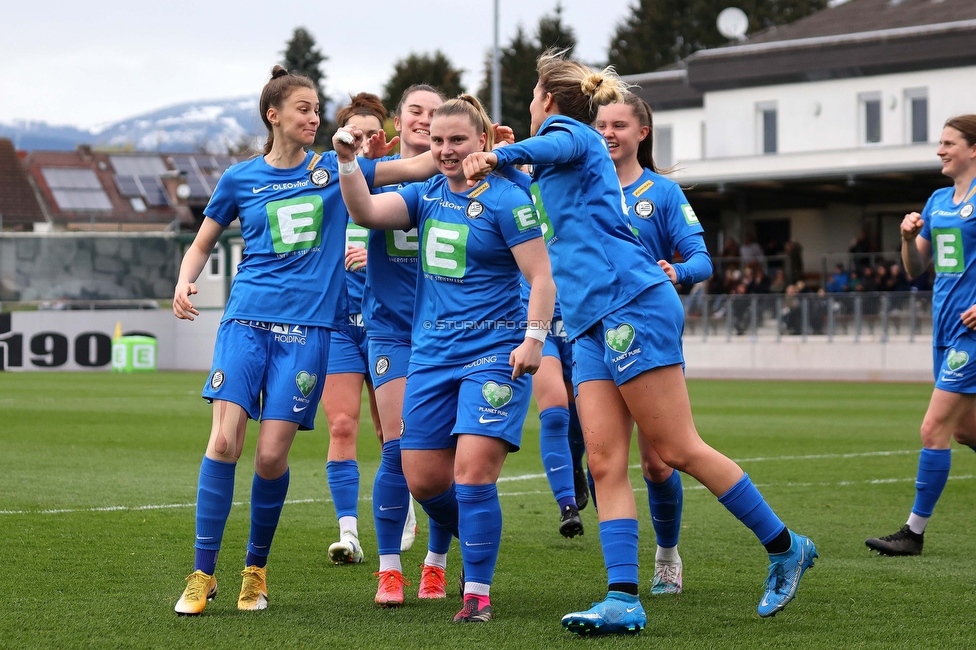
(870, 118)
(766, 127)
(663, 147)
(917, 108)
(215, 266)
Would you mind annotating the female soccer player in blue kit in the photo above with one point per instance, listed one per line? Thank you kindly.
(664, 221)
(626, 320)
(945, 232)
(347, 369)
(467, 391)
(272, 344)
(388, 309)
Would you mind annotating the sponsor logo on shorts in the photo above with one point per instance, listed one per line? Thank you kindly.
(484, 420)
(256, 324)
(289, 333)
(480, 362)
(956, 359)
(620, 338)
(306, 382)
(382, 366)
(298, 409)
(217, 379)
(320, 177)
(498, 395)
(474, 209)
(644, 208)
(624, 366)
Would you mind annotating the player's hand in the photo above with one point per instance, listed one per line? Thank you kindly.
(911, 225)
(478, 165)
(355, 258)
(182, 307)
(376, 145)
(669, 270)
(969, 317)
(344, 149)
(503, 135)
(526, 358)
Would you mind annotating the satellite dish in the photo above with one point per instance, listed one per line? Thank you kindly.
(733, 23)
(183, 191)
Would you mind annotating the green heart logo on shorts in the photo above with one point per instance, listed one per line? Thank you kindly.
(497, 395)
(306, 382)
(957, 359)
(620, 338)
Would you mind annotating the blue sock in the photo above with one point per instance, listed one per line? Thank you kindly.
(267, 499)
(592, 484)
(665, 500)
(933, 472)
(438, 538)
(556, 457)
(391, 500)
(576, 445)
(618, 537)
(480, 525)
(343, 478)
(745, 502)
(443, 509)
(215, 495)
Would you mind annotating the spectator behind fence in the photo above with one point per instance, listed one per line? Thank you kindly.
(751, 251)
(897, 280)
(759, 281)
(731, 249)
(778, 285)
(838, 281)
(794, 253)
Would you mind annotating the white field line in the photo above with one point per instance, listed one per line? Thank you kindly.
(526, 477)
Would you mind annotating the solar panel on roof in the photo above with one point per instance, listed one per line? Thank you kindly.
(138, 165)
(69, 200)
(127, 186)
(198, 189)
(70, 178)
(153, 191)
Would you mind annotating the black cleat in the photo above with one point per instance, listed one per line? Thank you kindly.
(470, 613)
(581, 487)
(570, 524)
(904, 542)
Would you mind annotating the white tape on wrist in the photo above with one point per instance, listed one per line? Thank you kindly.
(346, 168)
(345, 136)
(536, 333)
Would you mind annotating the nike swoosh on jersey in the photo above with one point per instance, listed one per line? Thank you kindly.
(625, 366)
(482, 420)
(295, 408)
(431, 198)
(256, 190)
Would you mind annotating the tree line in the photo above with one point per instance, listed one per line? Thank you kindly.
(653, 35)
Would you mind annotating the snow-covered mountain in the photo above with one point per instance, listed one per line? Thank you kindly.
(192, 127)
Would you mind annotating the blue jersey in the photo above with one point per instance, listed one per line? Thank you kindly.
(664, 221)
(356, 278)
(391, 279)
(951, 227)
(597, 262)
(292, 222)
(468, 303)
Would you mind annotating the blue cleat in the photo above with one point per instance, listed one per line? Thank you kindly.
(785, 573)
(620, 613)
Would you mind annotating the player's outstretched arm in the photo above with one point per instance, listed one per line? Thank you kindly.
(194, 260)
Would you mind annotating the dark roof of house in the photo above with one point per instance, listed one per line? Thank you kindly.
(18, 203)
(853, 39)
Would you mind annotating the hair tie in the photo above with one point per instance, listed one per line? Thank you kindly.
(279, 73)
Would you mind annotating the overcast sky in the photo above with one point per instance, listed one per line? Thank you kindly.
(90, 63)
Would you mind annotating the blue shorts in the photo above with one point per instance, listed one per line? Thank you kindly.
(389, 359)
(479, 398)
(642, 335)
(273, 371)
(347, 353)
(558, 346)
(953, 372)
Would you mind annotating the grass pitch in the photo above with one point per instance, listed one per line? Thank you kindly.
(96, 526)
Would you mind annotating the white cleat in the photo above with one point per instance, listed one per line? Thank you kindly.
(347, 550)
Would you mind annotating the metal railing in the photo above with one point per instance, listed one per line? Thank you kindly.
(874, 316)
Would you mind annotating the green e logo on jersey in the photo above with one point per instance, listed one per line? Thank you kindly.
(949, 257)
(445, 248)
(526, 217)
(402, 243)
(547, 230)
(690, 217)
(296, 224)
(356, 236)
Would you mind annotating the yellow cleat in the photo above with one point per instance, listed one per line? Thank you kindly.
(200, 588)
(254, 590)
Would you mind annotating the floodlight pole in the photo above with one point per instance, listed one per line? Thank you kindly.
(496, 81)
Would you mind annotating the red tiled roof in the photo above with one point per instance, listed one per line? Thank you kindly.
(18, 203)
